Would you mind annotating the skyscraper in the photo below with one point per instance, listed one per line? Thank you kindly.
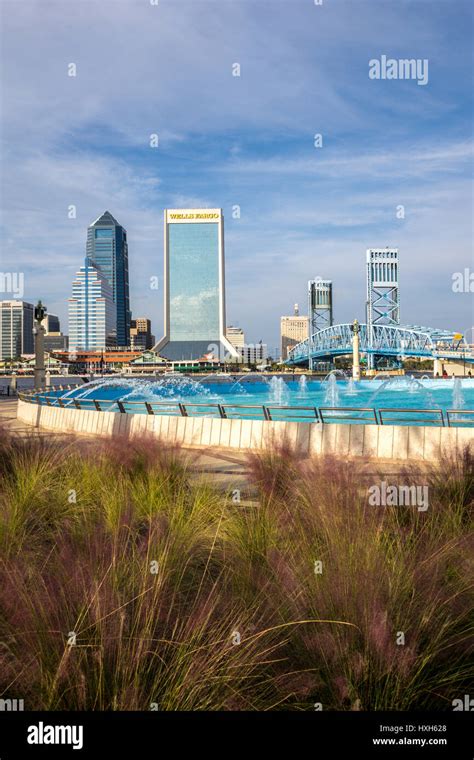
(194, 285)
(16, 329)
(107, 248)
(92, 312)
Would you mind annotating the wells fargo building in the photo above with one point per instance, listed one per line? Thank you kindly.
(194, 285)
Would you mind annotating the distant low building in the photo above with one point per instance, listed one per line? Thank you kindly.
(56, 342)
(253, 353)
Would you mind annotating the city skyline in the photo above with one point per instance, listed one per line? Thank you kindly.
(391, 166)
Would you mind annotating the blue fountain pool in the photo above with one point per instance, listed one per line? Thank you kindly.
(246, 396)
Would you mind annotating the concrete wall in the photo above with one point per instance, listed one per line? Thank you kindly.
(373, 441)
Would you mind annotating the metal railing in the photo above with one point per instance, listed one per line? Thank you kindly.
(275, 413)
(337, 413)
(459, 413)
(436, 418)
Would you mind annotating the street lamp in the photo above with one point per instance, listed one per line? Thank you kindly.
(39, 332)
(355, 329)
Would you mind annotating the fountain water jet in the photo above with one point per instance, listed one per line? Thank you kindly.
(331, 396)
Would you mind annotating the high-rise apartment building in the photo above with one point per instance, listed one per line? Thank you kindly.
(92, 312)
(107, 248)
(194, 285)
(293, 330)
(16, 329)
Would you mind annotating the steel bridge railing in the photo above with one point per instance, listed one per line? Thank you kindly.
(275, 413)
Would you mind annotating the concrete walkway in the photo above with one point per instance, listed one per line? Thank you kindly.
(229, 470)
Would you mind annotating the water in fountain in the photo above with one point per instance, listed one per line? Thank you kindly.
(278, 391)
(239, 388)
(335, 373)
(144, 390)
(458, 396)
(303, 386)
(351, 387)
(331, 396)
(400, 383)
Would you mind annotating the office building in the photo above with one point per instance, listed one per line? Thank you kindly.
(236, 336)
(16, 329)
(107, 249)
(51, 324)
(140, 334)
(56, 341)
(92, 312)
(194, 286)
(293, 330)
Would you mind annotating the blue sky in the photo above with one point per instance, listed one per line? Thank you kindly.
(248, 141)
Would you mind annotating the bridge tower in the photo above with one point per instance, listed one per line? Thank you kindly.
(383, 297)
(319, 307)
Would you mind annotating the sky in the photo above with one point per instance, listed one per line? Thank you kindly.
(393, 165)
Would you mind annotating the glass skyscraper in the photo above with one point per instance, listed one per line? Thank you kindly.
(107, 248)
(194, 285)
(92, 312)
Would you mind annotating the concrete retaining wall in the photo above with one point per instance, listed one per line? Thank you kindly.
(373, 441)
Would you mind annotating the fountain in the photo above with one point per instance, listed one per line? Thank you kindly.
(240, 388)
(278, 391)
(303, 386)
(331, 396)
(351, 387)
(336, 373)
(458, 396)
(405, 393)
(145, 390)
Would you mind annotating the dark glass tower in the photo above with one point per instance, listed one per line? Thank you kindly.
(107, 248)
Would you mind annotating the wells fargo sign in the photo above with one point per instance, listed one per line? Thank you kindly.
(177, 217)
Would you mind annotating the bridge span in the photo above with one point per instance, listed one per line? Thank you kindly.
(392, 341)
